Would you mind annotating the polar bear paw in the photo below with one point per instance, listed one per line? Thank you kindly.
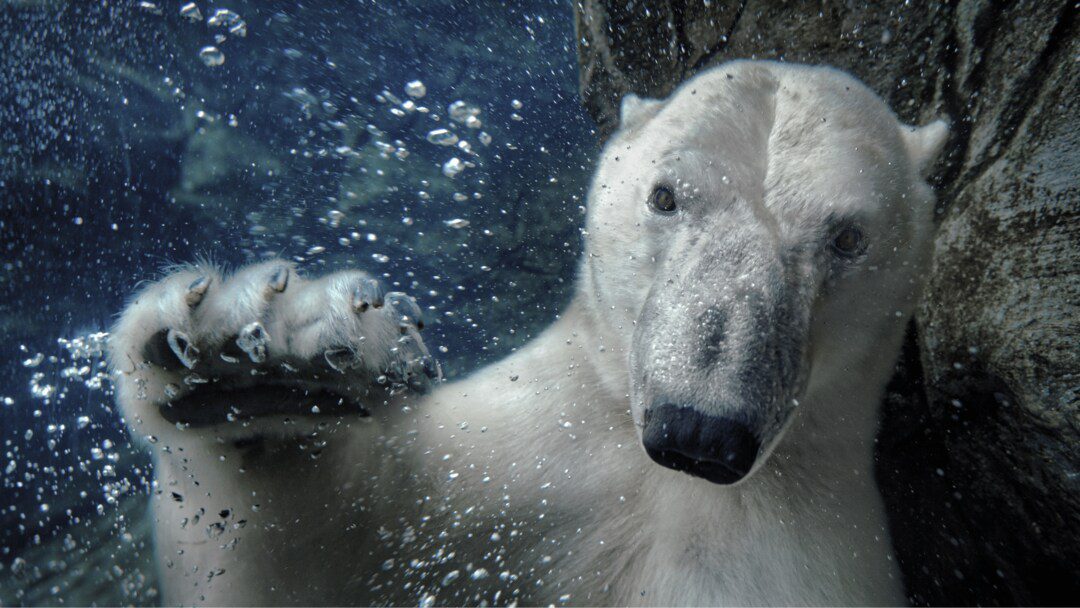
(200, 348)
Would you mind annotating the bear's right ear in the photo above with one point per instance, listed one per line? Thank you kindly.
(635, 110)
(924, 144)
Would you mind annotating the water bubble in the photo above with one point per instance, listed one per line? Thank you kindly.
(34, 361)
(212, 56)
(457, 223)
(150, 7)
(484, 138)
(442, 137)
(461, 112)
(450, 577)
(452, 167)
(223, 17)
(516, 104)
(190, 11)
(415, 89)
(380, 258)
(82, 422)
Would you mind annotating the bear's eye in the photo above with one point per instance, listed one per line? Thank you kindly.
(849, 242)
(662, 200)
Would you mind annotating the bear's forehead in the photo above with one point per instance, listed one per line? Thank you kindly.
(767, 108)
(804, 142)
(808, 179)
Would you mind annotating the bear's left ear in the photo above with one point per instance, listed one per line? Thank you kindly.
(925, 143)
(635, 110)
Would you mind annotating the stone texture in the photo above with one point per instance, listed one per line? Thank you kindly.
(978, 454)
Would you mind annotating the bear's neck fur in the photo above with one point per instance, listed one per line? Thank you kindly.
(810, 509)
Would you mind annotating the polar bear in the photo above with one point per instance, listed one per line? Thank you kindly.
(696, 428)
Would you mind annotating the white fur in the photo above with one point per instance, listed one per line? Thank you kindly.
(541, 449)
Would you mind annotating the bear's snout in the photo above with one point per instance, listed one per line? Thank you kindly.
(721, 450)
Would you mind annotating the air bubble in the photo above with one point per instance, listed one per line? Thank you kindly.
(450, 577)
(190, 11)
(212, 56)
(415, 89)
(442, 137)
(464, 113)
(223, 17)
(452, 167)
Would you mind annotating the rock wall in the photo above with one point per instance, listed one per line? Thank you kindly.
(979, 451)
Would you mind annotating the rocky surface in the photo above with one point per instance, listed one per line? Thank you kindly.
(978, 455)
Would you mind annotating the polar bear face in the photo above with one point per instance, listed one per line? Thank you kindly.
(752, 242)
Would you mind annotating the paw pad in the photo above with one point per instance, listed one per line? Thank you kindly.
(182, 347)
(407, 309)
(252, 340)
(342, 359)
(368, 293)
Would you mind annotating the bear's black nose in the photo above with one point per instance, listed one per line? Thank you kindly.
(722, 450)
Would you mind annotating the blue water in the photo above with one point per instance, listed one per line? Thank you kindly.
(122, 150)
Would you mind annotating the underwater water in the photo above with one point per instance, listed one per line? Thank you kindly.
(440, 145)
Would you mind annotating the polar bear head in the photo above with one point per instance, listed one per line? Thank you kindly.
(755, 244)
